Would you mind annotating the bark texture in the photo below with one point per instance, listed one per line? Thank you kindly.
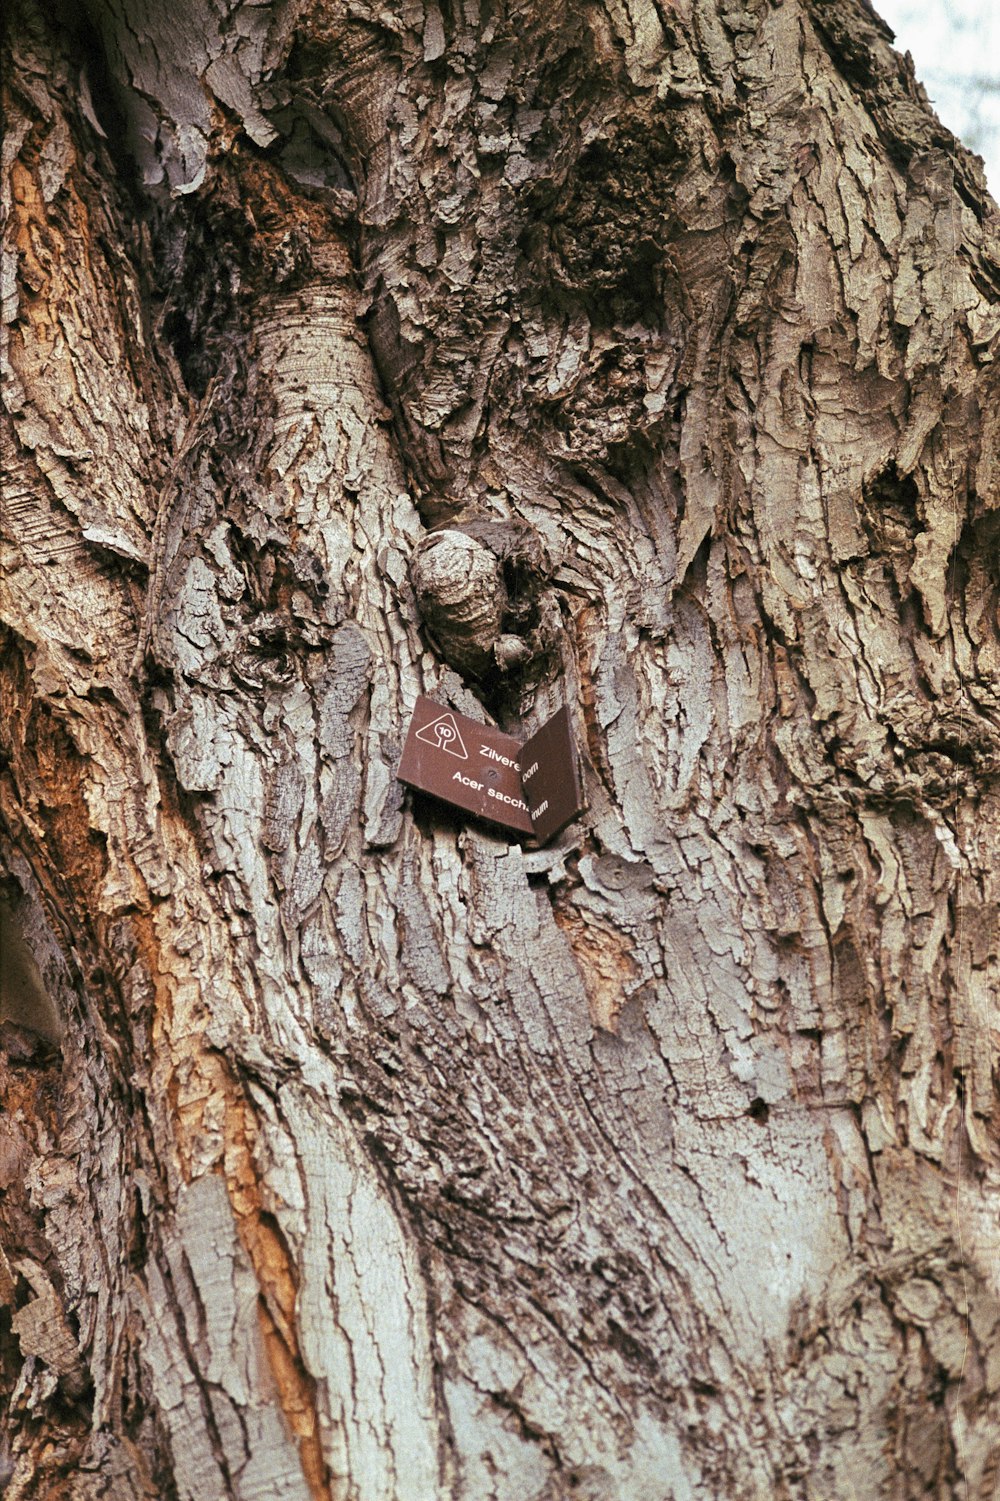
(352, 1151)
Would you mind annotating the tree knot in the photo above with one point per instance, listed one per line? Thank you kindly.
(477, 584)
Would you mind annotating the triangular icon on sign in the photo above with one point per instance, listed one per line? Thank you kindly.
(443, 734)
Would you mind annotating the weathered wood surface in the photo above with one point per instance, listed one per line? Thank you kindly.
(352, 1151)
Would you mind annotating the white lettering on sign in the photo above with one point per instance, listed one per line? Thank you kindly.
(535, 812)
(443, 734)
(467, 782)
(530, 771)
(502, 797)
(493, 755)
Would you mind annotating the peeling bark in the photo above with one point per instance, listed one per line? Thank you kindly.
(348, 1149)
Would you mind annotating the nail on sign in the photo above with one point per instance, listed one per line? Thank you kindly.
(533, 787)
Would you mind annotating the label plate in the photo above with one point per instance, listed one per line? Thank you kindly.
(467, 764)
(550, 777)
(532, 788)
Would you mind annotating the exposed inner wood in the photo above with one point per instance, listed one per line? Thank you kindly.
(348, 1150)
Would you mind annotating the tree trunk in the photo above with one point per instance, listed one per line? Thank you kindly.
(353, 1149)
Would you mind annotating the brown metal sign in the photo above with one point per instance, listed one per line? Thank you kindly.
(550, 777)
(470, 765)
(480, 769)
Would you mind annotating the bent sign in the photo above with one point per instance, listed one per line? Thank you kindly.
(479, 768)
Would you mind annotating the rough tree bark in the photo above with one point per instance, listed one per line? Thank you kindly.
(350, 1149)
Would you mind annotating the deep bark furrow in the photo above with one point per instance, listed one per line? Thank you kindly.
(352, 1150)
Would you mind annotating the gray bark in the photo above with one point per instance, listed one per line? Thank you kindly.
(350, 1149)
